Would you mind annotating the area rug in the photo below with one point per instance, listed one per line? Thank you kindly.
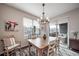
(63, 51)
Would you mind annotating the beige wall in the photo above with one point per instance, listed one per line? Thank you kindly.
(72, 17)
(9, 13)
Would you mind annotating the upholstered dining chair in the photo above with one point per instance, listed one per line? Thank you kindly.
(10, 44)
(52, 50)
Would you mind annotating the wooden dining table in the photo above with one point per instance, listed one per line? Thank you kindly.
(40, 44)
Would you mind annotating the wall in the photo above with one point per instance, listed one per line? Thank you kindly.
(9, 13)
(72, 17)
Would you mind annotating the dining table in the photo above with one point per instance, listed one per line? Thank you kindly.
(40, 44)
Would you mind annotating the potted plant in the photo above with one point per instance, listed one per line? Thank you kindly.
(75, 35)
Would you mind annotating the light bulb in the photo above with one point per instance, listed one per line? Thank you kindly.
(47, 18)
(41, 18)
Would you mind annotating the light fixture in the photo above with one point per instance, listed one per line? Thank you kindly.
(43, 18)
(44, 25)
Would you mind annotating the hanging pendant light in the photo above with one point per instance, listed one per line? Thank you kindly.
(44, 25)
(43, 18)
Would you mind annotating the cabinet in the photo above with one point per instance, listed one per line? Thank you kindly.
(74, 44)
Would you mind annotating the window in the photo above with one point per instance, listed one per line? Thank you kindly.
(53, 30)
(27, 24)
(36, 24)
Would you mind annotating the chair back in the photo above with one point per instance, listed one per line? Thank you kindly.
(52, 48)
(58, 41)
(58, 44)
(9, 41)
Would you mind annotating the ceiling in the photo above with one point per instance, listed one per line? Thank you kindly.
(51, 9)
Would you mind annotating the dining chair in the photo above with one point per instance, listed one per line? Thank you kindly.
(44, 52)
(33, 51)
(58, 43)
(52, 50)
(10, 45)
(1, 48)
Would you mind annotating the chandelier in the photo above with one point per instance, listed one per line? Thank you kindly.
(43, 18)
(44, 25)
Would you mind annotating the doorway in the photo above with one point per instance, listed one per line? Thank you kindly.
(63, 32)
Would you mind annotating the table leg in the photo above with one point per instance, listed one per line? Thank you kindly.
(39, 52)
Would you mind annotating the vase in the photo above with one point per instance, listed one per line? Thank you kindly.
(44, 37)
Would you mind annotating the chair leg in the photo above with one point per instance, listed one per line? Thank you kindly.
(4, 53)
(20, 51)
(7, 53)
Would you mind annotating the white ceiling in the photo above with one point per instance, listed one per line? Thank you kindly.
(51, 9)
